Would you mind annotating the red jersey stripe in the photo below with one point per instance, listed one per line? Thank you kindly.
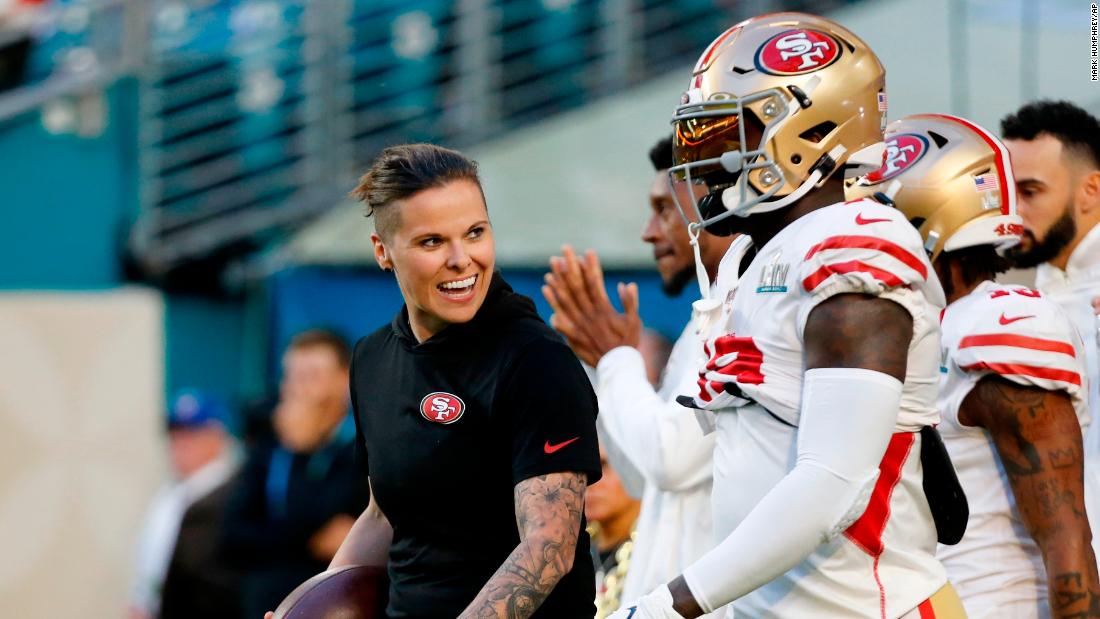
(855, 266)
(1034, 371)
(1018, 341)
(871, 242)
(867, 531)
(927, 611)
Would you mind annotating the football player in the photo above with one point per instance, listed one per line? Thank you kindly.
(825, 369)
(1013, 385)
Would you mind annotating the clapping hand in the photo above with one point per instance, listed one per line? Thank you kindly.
(583, 313)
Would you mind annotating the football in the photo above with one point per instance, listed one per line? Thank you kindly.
(351, 592)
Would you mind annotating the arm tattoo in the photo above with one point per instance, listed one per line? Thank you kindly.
(1038, 438)
(548, 515)
(859, 331)
(1006, 410)
(1071, 599)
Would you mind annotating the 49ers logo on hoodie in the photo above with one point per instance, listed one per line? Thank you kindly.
(442, 407)
(795, 52)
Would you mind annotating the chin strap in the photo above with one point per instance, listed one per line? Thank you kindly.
(709, 310)
(701, 276)
(706, 310)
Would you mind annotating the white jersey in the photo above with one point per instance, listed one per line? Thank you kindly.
(1013, 332)
(884, 565)
(1074, 290)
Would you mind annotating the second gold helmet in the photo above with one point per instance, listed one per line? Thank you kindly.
(951, 178)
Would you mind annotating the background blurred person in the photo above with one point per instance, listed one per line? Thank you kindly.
(660, 438)
(299, 496)
(1055, 148)
(655, 350)
(178, 571)
(612, 514)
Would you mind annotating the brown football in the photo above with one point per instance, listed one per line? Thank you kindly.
(351, 592)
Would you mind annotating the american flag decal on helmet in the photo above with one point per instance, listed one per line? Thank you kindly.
(986, 182)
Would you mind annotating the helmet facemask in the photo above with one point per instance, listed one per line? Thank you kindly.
(722, 143)
(817, 95)
(775, 106)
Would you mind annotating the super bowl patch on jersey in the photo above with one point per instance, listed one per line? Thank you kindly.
(773, 277)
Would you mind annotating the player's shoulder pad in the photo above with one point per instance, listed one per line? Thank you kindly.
(730, 266)
(1012, 309)
(1017, 332)
(861, 246)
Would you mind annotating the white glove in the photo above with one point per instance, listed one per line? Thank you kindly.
(656, 605)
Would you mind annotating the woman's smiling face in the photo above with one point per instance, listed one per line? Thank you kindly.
(443, 254)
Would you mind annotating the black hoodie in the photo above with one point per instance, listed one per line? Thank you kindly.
(450, 425)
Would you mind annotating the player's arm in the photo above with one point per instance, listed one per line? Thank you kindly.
(1038, 437)
(548, 515)
(368, 541)
(856, 356)
(661, 439)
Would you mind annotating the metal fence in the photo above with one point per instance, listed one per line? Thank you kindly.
(255, 115)
(81, 47)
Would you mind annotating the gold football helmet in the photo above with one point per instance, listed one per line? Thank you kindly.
(776, 105)
(951, 178)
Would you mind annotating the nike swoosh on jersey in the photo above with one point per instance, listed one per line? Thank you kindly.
(548, 448)
(1007, 321)
(863, 222)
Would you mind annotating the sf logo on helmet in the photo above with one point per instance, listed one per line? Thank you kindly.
(797, 51)
(902, 151)
(442, 407)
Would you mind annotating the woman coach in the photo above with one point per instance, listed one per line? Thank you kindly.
(478, 422)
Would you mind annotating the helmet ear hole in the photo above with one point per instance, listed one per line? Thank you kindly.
(848, 44)
(938, 139)
(818, 132)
